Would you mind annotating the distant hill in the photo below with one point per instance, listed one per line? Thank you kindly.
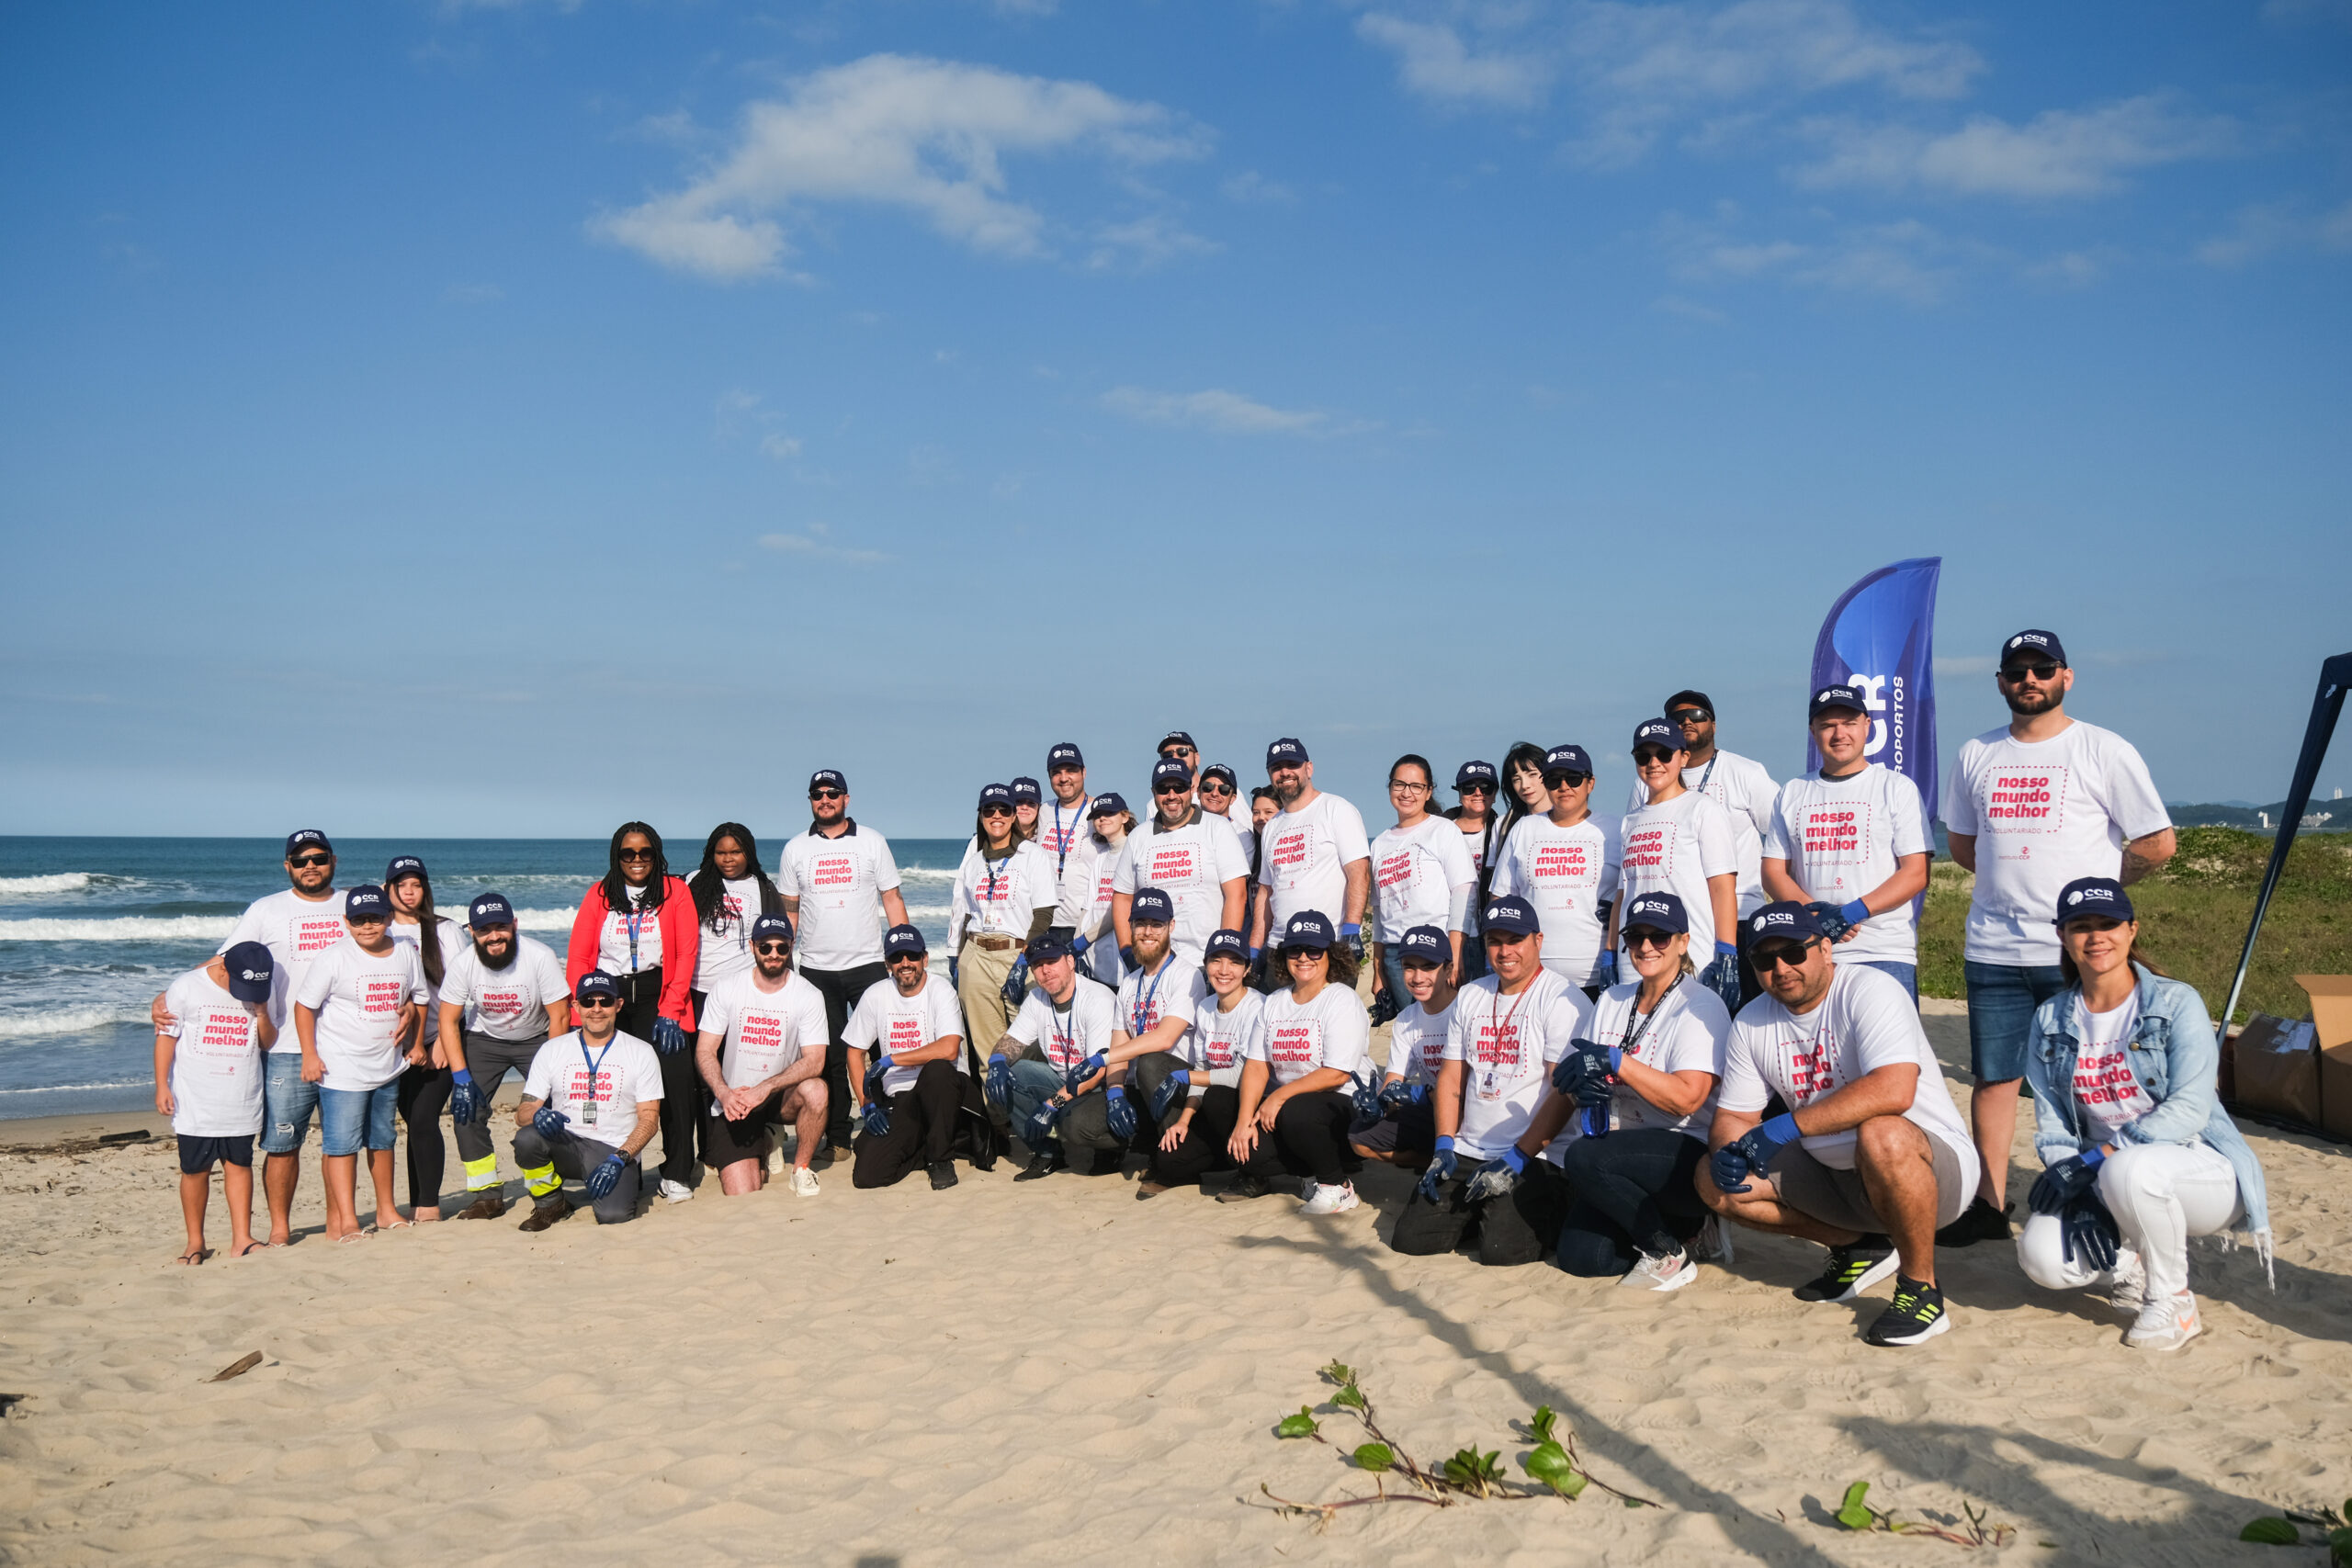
(2318, 817)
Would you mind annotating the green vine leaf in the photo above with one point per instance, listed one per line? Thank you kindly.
(1543, 1422)
(1550, 1465)
(1853, 1513)
(1302, 1424)
(1377, 1457)
(1350, 1397)
(2272, 1532)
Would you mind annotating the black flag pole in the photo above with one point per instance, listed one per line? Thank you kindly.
(2334, 676)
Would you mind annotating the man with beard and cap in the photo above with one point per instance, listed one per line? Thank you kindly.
(1312, 855)
(1061, 825)
(914, 1088)
(1038, 1073)
(591, 1103)
(762, 1053)
(1191, 856)
(501, 997)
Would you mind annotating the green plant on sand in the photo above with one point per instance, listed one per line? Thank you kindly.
(1855, 1514)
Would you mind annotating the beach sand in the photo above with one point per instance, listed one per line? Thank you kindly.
(1057, 1373)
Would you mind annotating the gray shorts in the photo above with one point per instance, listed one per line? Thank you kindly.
(1838, 1197)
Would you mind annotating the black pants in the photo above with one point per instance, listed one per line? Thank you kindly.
(1310, 1138)
(684, 1100)
(423, 1095)
(1204, 1149)
(1518, 1227)
(923, 1128)
(1632, 1191)
(840, 989)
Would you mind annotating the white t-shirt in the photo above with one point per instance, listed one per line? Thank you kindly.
(1068, 1036)
(1479, 842)
(1866, 1022)
(1304, 859)
(296, 930)
(840, 882)
(217, 1066)
(357, 995)
(1746, 794)
(1145, 999)
(1674, 847)
(2043, 815)
(1506, 1046)
(999, 897)
(1220, 1042)
(1085, 905)
(892, 1022)
(1841, 838)
(1566, 872)
(602, 1104)
(1293, 1040)
(1416, 873)
(1416, 1042)
(2105, 1087)
(1061, 829)
(630, 942)
(760, 1029)
(1685, 1034)
(455, 939)
(509, 1003)
(1245, 832)
(725, 950)
(1191, 864)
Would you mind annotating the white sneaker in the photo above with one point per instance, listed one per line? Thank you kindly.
(804, 1181)
(1669, 1273)
(675, 1191)
(1327, 1198)
(2127, 1287)
(776, 1159)
(2166, 1324)
(1712, 1244)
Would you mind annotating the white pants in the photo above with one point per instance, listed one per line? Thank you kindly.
(2160, 1195)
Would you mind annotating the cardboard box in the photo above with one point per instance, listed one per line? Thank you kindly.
(2331, 998)
(2276, 1067)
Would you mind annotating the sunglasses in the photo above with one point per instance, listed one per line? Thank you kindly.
(771, 946)
(1213, 787)
(1570, 779)
(996, 811)
(914, 958)
(1646, 937)
(1473, 789)
(632, 855)
(1172, 789)
(1788, 953)
(829, 794)
(1650, 756)
(1306, 955)
(599, 1001)
(2043, 670)
(311, 860)
(1690, 716)
(369, 919)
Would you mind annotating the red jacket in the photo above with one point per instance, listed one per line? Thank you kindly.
(680, 946)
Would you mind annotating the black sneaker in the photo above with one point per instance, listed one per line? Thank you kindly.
(1917, 1312)
(1244, 1187)
(943, 1175)
(1979, 1222)
(1851, 1270)
(1045, 1165)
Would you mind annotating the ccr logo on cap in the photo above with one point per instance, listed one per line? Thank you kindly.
(1648, 907)
(2076, 897)
(1775, 918)
(2034, 637)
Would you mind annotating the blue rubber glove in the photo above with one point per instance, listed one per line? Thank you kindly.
(1016, 983)
(1171, 1088)
(2065, 1181)
(1077, 946)
(1365, 1096)
(1120, 1111)
(1353, 936)
(669, 1037)
(1442, 1164)
(875, 1075)
(465, 1100)
(876, 1119)
(1584, 1063)
(1040, 1124)
(548, 1123)
(607, 1176)
(1127, 957)
(1400, 1094)
(954, 973)
(1751, 1151)
(1000, 1081)
(1253, 957)
(1856, 912)
(1085, 1070)
(1721, 975)
(1498, 1177)
(2086, 1227)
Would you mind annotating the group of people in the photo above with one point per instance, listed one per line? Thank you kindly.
(1614, 1040)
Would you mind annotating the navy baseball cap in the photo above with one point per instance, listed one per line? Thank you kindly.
(367, 902)
(1231, 943)
(1167, 770)
(306, 837)
(1045, 948)
(899, 941)
(1793, 920)
(1831, 698)
(1287, 753)
(596, 983)
(250, 971)
(1177, 738)
(1107, 803)
(2093, 895)
(1219, 771)
(1151, 903)
(2031, 639)
(490, 909)
(996, 795)
(1566, 760)
(1661, 732)
(1475, 773)
(1655, 911)
(1307, 928)
(403, 865)
(1026, 792)
(1425, 945)
(1514, 914)
(827, 778)
(768, 925)
(1064, 755)
(1689, 699)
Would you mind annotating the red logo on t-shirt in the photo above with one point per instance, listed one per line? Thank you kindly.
(2024, 800)
(1169, 865)
(834, 871)
(1295, 1044)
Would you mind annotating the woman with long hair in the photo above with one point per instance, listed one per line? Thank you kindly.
(1085, 908)
(1295, 1105)
(730, 891)
(638, 924)
(425, 1081)
(1479, 821)
(2141, 1155)
(1005, 893)
(1421, 877)
(1028, 801)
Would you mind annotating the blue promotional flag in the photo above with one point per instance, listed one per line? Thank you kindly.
(1881, 636)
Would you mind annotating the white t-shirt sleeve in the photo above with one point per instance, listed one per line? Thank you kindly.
(1959, 801)
(1756, 797)
(1566, 1017)
(1885, 1028)
(886, 866)
(941, 1016)
(553, 986)
(1718, 840)
(1452, 855)
(1744, 1087)
(1347, 833)
(1907, 817)
(861, 1029)
(318, 981)
(717, 1012)
(1226, 857)
(537, 1081)
(1778, 836)
(1029, 1024)
(2132, 799)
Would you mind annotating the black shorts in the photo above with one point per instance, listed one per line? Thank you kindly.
(725, 1141)
(199, 1156)
(1413, 1131)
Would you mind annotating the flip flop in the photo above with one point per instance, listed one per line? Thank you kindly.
(250, 1247)
(395, 1226)
(351, 1235)
(194, 1254)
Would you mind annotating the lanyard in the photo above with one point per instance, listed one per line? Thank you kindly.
(1144, 999)
(1504, 1031)
(1067, 1039)
(635, 917)
(1642, 1020)
(1710, 773)
(594, 1067)
(992, 865)
(1064, 837)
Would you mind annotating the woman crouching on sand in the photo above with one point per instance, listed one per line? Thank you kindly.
(2141, 1155)
(1295, 1109)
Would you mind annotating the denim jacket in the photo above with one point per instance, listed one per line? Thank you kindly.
(2173, 1055)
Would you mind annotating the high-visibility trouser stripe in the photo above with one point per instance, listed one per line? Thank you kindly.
(482, 1175)
(542, 1180)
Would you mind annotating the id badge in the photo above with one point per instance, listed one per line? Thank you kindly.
(588, 1110)
(1487, 1086)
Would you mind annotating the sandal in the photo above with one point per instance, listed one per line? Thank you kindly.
(249, 1248)
(194, 1254)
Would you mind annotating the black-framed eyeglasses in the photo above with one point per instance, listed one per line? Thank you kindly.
(1406, 787)
(1788, 953)
(829, 794)
(771, 945)
(632, 855)
(2041, 670)
(1565, 779)
(313, 858)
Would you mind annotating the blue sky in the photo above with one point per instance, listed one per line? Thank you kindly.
(506, 419)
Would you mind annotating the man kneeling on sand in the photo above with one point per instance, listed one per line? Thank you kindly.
(908, 1092)
(762, 1068)
(1871, 1157)
(591, 1103)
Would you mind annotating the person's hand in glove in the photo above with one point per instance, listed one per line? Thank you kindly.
(1127, 957)
(2065, 1181)
(1000, 1081)
(1084, 1070)
(1041, 1123)
(1498, 1177)
(1365, 1095)
(548, 1123)
(954, 973)
(1171, 1090)
(466, 1101)
(1400, 1094)
(876, 1118)
(876, 1074)
(1583, 1063)
(1077, 946)
(1721, 975)
(607, 1176)
(1751, 1151)
(1442, 1164)
(669, 1036)
(1353, 936)
(1016, 983)
(2089, 1230)
(1120, 1112)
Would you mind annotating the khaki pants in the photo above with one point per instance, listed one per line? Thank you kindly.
(980, 988)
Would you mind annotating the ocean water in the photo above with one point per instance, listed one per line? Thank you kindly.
(91, 928)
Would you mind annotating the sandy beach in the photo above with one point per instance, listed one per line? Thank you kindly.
(1058, 1373)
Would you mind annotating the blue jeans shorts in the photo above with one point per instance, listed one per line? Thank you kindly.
(1906, 973)
(350, 1119)
(286, 1104)
(2001, 1002)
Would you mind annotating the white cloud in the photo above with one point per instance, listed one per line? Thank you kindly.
(1225, 412)
(816, 545)
(928, 136)
(2267, 228)
(779, 445)
(1250, 187)
(1436, 64)
(2062, 153)
(1907, 261)
(1146, 242)
(738, 415)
